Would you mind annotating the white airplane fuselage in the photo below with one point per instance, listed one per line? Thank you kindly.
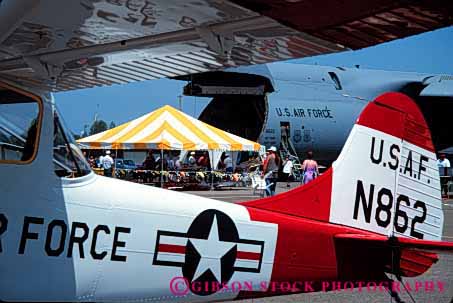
(98, 238)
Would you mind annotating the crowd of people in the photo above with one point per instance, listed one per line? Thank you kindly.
(310, 170)
(104, 161)
(173, 161)
(271, 166)
(154, 165)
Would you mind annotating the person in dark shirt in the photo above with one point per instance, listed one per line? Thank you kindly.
(270, 170)
(150, 162)
(203, 161)
(92, 162)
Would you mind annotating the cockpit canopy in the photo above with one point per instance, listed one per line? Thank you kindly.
(21, 116)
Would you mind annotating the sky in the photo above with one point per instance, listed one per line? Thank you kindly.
(427, 53)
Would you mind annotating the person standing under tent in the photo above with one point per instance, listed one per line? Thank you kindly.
(203, 161)
(170, 162)
(92, 162)
(178, 163)
(149, 164)
(107, 164)
(192, 160)
(228, 163)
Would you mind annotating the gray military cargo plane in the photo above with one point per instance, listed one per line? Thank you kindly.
(316, 105)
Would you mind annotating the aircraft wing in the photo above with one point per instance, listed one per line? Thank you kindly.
(438, 86)
(73, 44)
(400, 242)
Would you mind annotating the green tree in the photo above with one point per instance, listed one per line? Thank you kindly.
(112, 125)
(98, 126)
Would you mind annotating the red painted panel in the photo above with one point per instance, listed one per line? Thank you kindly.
(414, 263)
(305, 248)
(397, 115)
(382, 117)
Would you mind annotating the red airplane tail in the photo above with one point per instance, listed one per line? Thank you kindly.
(378, 208)
(385, 180)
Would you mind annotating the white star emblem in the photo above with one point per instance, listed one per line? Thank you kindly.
(211, 251)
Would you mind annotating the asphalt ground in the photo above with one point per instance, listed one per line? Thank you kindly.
(441, 272)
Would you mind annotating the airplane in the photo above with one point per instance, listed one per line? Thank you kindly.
(67, 234)
(319, 104)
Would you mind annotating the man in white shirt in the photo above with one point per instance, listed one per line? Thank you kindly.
(192, 161)
(287, 169)
(107, 164)
(443, 161)
(228, 164)
(178, 164)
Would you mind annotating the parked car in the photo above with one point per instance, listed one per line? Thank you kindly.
(125, 164)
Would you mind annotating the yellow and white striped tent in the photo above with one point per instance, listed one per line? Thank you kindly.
(168, 128)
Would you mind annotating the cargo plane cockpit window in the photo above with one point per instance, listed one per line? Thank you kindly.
(19, 127)
(68, 160)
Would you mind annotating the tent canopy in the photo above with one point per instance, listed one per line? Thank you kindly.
(168, 128)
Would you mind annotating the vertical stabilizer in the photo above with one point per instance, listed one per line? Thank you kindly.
(386, 179)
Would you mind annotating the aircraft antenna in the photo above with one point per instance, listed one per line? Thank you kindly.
(394, 294)
(180, 102)
(405, 288)
(96, 114)
(396, 270)
(194, 106)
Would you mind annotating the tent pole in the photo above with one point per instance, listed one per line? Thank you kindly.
(161, 167)
(212, 179)
(211, 155)
(114, 166)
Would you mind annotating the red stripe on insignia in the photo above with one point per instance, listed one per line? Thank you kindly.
(170, 248)
(248, 255)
